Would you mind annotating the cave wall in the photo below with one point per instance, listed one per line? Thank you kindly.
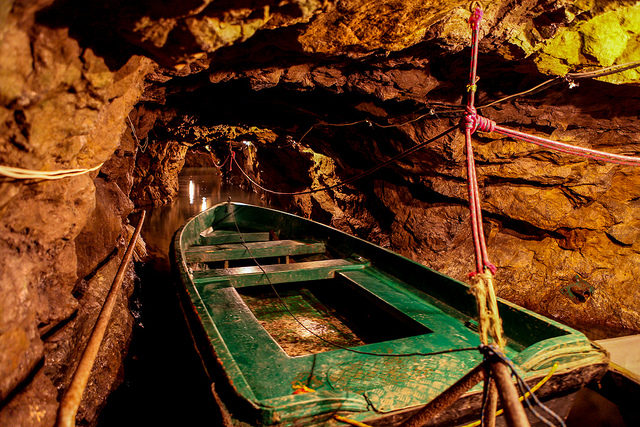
(137, 84)
(62, 107)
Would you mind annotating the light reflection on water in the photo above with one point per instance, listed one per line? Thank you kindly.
(199, 189)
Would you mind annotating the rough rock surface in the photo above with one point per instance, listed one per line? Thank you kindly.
(549, 217)
(64, 347)
(80, 85)
(61, 107)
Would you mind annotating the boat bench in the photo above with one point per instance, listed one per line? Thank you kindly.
(226, 245)
(258, 249)
(228, 236)
(239, 277)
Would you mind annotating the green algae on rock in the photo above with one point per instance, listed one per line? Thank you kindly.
(611, 37)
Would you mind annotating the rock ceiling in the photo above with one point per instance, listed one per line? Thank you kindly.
(77, 77)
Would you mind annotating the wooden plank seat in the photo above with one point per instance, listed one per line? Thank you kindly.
(270, 248)
(239, 277)
(227, 236)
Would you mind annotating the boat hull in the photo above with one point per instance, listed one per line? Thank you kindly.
(378, 390)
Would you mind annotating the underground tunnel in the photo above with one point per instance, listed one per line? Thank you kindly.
(350, 113)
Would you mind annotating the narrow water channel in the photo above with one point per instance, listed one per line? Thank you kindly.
(163, 380)
(198, 189)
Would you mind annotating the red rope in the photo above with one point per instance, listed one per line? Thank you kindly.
(570, 149)
(471, 123)
(354, 178)
(477, 122)
(233, 158)
(221, 165)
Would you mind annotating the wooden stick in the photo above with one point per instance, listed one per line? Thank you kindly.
(513, 410)
(72, 398)
(446, 398)
(489, 415)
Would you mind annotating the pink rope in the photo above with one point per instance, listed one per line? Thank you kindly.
(233, 157)
(570, 149)
(476, 122)
(221, 165)
(473, 122)
(472, 201)
(475, 18)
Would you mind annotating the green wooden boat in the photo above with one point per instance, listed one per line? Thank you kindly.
(302, 355)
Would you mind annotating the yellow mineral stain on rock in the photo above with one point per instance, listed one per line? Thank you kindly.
(96, 71)
(560, 53)
(36, 413)
(611, 37)
(155, 32)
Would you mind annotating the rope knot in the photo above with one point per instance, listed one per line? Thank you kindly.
(470, 118)
(474, 121)
(489, 323)
(492, 268)
(475, 18)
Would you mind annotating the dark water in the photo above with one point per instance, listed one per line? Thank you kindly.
(199, 189)
(164, 383)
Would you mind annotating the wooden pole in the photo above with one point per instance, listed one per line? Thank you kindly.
(513, 410)
(446, 398)
(73, 396)
(489, 415)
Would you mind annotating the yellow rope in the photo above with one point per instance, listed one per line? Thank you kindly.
(19, 173)
(526, 395)
(350, 421)
(489, 323)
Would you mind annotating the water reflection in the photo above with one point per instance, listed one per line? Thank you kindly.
(199, 189)
(160, 336)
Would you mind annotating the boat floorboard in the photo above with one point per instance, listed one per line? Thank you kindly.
(277, 273)
(270, 248)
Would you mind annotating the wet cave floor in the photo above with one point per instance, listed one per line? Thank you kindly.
(164, 382)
